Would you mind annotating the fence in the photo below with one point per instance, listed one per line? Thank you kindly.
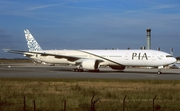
(92, 105)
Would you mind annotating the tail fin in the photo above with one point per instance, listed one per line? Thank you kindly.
(31, 42)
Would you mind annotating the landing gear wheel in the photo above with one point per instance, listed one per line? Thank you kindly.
(97, 70)
(159, 72)
(78, 70)
(74, 70)
(81, 70)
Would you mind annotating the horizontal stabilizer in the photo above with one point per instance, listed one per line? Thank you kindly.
(14, 51)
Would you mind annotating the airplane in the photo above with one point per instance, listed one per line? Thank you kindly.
(93, 59)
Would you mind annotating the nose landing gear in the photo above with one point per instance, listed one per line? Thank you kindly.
(159, 70)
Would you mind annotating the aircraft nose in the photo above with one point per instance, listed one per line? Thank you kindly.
(174, 60)
(171, 60)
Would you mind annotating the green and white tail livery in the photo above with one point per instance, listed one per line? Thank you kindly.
(31, 42)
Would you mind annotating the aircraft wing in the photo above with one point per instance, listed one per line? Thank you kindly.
(29, 54)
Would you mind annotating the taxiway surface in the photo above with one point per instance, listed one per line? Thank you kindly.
(28, 70)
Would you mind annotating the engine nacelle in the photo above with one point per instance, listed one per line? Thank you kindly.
(117, 67)
(90, 64)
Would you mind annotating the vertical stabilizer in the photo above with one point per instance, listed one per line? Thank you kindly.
(31, 42)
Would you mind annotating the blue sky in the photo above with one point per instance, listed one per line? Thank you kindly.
(90, 24)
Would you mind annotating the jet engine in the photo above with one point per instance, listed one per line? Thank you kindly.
(120, 67)
(90, 64)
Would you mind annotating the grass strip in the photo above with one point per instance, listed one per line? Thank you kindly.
(49, 94)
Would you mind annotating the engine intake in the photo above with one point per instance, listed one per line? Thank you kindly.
(90, 64)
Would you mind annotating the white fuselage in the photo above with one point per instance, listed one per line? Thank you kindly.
(110, 57)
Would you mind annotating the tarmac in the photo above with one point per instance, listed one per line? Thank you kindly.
(29, 70)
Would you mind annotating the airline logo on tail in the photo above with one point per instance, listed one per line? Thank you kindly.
(31, 42)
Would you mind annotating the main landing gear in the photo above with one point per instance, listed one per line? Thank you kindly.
(78, 70)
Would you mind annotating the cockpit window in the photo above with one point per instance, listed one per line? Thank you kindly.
(169, 56)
